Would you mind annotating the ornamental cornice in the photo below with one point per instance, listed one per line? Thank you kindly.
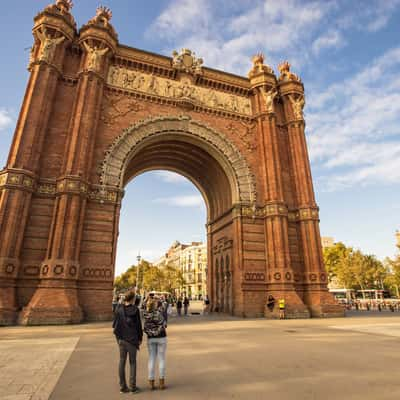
(276, 210)
(76, 186)
(71, 185)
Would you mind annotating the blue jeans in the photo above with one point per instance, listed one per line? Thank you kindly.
(157, 348)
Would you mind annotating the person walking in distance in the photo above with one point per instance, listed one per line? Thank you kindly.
(282, 306)
(155, 326)
(128, 332)
(206, 305)
(179, 307)
(185, 305)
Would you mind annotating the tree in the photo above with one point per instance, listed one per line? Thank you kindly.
(127, 279)
(167, 278)
(352, 269)
(336, 260)
(392, 279)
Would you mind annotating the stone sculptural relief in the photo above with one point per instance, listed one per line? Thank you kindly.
(184, 89)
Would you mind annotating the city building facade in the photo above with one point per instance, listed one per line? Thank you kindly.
(327, 241)
(191, 259)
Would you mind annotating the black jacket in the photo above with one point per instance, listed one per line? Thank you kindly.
(127, 324)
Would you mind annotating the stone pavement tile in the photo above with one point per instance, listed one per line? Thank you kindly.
(28, 389)
(17, 397)
(388, 329)
(10, 389)
(30, 367)
(5, 381)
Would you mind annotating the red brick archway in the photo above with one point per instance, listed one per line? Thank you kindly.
(95, 115)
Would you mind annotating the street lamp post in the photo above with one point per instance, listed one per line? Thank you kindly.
(138, 258)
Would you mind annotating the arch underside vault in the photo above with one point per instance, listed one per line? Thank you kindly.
(185, 146)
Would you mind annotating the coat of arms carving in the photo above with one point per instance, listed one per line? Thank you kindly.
(187, 61)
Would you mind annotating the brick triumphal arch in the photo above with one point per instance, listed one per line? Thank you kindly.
(95, 115)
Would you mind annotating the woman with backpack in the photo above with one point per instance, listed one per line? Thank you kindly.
(155, 325)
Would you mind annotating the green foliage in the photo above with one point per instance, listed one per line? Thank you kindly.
(393, 278)
(352, 269)
(166, 279)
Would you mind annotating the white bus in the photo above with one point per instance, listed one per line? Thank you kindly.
(344, 296)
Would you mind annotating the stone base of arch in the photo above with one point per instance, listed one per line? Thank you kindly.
(8, 303)
(322, 304)
(52, 305)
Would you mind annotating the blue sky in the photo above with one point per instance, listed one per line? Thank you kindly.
(348, 56)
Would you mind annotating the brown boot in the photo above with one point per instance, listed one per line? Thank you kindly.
(152, 385)
(162, 383)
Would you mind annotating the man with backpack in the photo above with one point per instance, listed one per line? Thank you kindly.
(128, 332)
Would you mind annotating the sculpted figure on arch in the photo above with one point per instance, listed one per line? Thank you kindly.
(269, 98)
(95, 55)
(48, 45)
(297, 105)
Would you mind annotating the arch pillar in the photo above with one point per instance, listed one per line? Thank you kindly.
(53, 32)
(56, 298)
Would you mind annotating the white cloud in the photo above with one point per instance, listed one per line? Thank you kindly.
(182, 201)
(171, 177)
(5, 119)
(180, 15)
(227, 35)
(330, 39)
(354, 126)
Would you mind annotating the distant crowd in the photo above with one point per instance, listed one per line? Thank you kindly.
(372, 305)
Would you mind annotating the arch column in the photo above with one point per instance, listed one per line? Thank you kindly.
(53, 31)
(279, 272)
(56, 298)
(315, 293)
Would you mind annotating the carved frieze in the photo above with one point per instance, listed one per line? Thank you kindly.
(177, 90)
(46, 189)
(103, 195)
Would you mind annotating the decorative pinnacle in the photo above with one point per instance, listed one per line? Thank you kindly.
(258, 59)
(284, 66)
(64, 4)
(104, 12)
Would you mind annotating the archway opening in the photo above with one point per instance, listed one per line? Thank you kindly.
(162, 229)
(178, 153)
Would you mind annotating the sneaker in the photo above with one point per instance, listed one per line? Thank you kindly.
(124, 390)
(135, 389)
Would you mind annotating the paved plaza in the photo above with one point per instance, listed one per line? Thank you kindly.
(212, 358)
